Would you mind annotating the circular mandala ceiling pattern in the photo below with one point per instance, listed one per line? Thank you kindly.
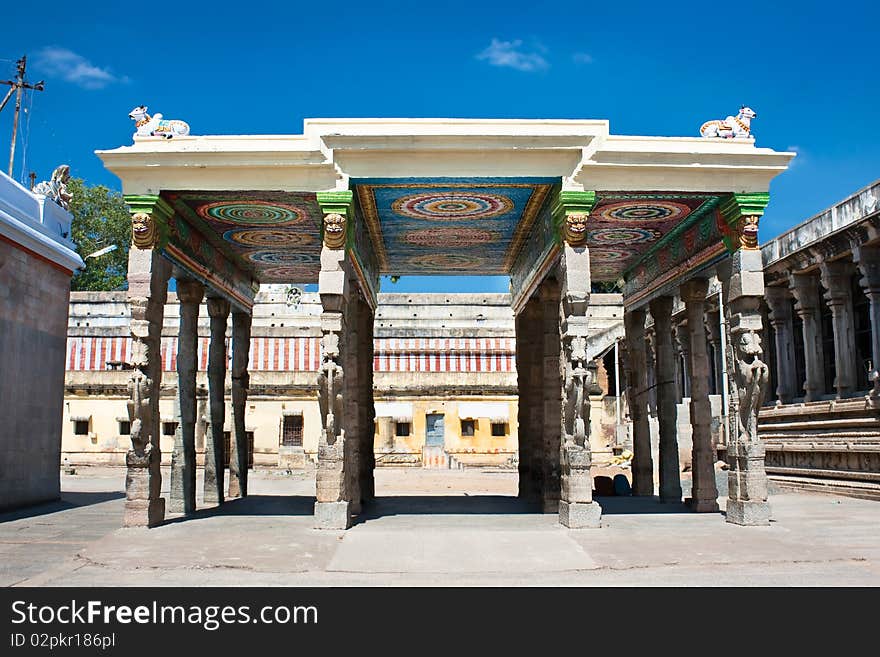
(284, 273)
(281, 258)
(267, 237)
(647, 211)
(622, 235)
(611, 255)
(445, 261)
(452, 206)
(252, 213)
(450, 237)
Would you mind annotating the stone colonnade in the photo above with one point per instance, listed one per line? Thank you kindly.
(801, 298)
(741, 276)
(148, 275)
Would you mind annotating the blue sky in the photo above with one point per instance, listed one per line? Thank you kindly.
(662, 68)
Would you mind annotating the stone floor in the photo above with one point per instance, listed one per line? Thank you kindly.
(432, 527)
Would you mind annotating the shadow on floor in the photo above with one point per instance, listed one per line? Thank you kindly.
(255, 505)
(69, 500)
(627, 505)
(396, 505)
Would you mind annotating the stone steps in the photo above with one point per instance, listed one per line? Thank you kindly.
(863, 490)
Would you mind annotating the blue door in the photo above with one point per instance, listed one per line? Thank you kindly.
(434, 433)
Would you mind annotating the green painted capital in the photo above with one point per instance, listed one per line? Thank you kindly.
(570, 211)
(150, 217)
(741, 213)
(337, 208)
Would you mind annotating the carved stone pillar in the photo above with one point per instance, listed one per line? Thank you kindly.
(148, 274)
(868, 259)
(682, 346)
(805, 288)
(552, 388)
(642, 463)
(529, 413)
(215, 444)
(183, 459)
(238, 442)
(576, 506)
(704, 493)
(670, 475)
(743, 280)
(836, 278)
(712, 326)
(366, 408)
(779, 301)
(352, 448)
(333, 479)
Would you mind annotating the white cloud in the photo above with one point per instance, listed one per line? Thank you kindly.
(582, 58)
(69, 66)
(510, 54)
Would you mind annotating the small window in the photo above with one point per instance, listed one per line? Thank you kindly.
(292, 431)
(402, 429)
(81, 427)
(468, 427)
(499, 428)
(169, 428)
(124, 428)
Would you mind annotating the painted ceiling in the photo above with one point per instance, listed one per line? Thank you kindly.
(273, 235)
(449, 225)
(625, 227)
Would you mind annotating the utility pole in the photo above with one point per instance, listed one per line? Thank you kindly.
(17, 85)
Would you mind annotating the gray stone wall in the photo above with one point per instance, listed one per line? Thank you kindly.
(33, 330)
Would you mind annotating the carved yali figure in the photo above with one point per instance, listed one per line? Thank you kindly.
(752, 377)
(334, 231)
(144, 232)
(575, 228)
(330, 379)
(748, 232)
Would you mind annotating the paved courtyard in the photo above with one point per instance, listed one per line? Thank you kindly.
(432, 527)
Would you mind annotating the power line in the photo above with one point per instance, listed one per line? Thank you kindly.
(17, 86)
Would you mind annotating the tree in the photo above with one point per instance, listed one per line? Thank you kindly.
(100, 219)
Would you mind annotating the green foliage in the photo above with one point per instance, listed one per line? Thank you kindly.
(100, 218)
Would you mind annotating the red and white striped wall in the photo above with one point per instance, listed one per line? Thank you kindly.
(444, 355)
(292, 354)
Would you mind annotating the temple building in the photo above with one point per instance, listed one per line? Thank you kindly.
(444, 372)
(555, 205)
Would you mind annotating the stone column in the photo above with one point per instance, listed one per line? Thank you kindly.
(682, 358)
(238, 442)
(670, 475)
(333, 509)
(743, 279)
(551, 388)
(183, 459)
(642, 463)
(148, 274)
(868, 260)
(837, 280)
(215, 445)
(713, 333)
(779, 301)
(704, 493)
(529, 339)
(367, 419)
(576, 506)
(805, 288)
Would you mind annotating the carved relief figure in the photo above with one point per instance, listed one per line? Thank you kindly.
(752, 378)
(733, 127)
(330, 379)
(155, 125)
